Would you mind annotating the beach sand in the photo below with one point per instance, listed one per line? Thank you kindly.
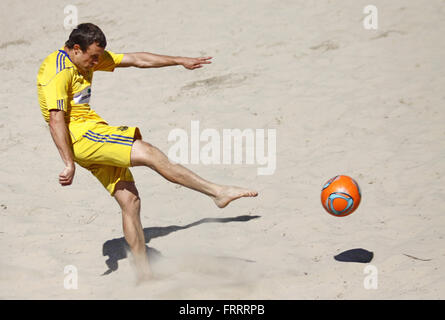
(342, 99)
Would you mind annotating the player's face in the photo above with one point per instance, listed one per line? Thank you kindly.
(87, 59)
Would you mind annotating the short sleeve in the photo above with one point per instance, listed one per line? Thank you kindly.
(108, 61)
(56, 91)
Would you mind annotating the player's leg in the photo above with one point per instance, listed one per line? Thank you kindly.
(127, 196)
(145, 154)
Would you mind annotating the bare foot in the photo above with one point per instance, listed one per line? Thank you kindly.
(230, 193)
(141, 268)
(143, 276)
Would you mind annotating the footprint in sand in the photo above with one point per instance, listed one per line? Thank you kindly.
(386, 34)
(228, 80)
(326, 46)
(201, 87)
(4, 45)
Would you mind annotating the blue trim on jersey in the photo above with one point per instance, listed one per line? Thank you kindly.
(60, 60)
(60, 63)
(66, 54)
(60, 104)
(57, 63)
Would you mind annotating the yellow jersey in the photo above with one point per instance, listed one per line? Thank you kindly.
(61, 86)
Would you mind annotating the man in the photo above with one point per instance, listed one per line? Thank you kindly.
(83, 137)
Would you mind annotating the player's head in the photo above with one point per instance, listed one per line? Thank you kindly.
(86, 43)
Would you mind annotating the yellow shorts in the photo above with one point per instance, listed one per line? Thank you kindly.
(104, 150)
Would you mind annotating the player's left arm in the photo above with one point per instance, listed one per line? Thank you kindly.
(151, 60)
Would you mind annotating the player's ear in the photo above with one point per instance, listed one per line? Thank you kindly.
(77, 49)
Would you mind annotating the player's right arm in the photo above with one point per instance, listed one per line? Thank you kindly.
(60, 134)
(55, 91)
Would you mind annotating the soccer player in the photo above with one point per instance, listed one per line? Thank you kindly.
(83, 137)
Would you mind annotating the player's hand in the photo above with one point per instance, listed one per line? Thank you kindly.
(195, 63)
(67, 175)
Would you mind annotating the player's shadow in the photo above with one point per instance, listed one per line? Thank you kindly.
(117, 249)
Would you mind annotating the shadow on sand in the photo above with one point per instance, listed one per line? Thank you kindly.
(116, 249)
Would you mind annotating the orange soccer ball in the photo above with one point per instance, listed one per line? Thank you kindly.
(340, 196)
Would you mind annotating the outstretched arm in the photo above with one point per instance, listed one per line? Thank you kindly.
(151, 60)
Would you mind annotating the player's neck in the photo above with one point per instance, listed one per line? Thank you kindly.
(70, 54)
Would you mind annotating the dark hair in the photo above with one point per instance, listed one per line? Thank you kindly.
(86, 34)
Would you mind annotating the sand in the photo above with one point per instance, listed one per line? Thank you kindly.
(342, 99)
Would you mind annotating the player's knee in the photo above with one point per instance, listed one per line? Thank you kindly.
(133, 199)
(131, 205)
(127, 196)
